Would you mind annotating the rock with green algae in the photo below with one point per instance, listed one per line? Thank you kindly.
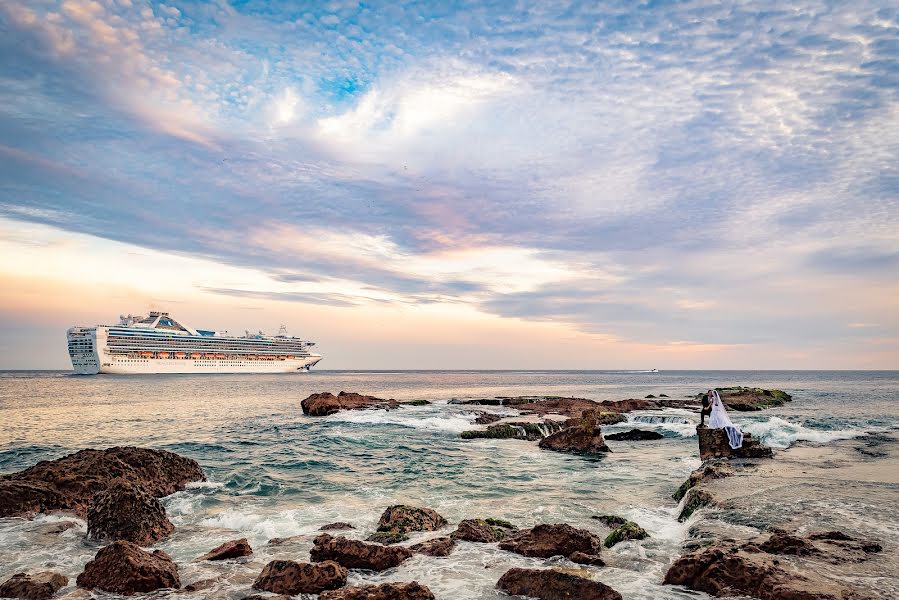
(741, 398)
(715, 468)
(486, 531)
(695, 499)
(387, 537)
(610, 520)
(627, 531)
(519, 431)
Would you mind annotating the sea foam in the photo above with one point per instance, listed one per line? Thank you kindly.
(780, 433)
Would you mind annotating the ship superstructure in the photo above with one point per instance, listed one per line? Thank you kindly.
(158, 343)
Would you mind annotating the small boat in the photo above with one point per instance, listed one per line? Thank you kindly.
(654, 371)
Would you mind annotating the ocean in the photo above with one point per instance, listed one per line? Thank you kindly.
(274, 472)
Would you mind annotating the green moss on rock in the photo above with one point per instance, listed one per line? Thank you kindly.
(628, 531)
(695, 499)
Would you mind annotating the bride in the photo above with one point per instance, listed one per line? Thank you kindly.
(719, 420)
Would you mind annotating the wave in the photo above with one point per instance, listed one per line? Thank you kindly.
(452, 423)
(780, 433)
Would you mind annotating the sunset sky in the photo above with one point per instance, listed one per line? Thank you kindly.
(447, 185)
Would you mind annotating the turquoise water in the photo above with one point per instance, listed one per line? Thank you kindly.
(275, 473)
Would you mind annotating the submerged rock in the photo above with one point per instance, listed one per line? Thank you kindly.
(486, 531)
(33, 586)
(485, 418)
(439, 546)
(750, 399)
(549, 584)
(384, 591)
(544, 541)
(387, 537)
(340, 525)
(713, 443)
(624, 532)
(291, 578)
(230, 549)
(125, 511)
(320, 405)
(635, 435)
(124, 568)
(518, 430)
(403, 519)
(716, 468)
(584, 437)
(612, 521)
(354, 554)
(70, 483)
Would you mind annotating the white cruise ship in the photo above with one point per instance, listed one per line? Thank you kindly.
(158, 343)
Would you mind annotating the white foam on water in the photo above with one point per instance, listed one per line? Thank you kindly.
(780, 433)
(679, 422)
(416, 419)
(204, 485)
(263, 526)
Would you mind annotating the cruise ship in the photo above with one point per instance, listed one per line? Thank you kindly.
(158, 343)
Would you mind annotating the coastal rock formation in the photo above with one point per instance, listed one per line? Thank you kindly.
(549, 584)
(354, 554)
(291, 578)
(320, 405)
(230, 549)
(439, 546)
(557, 405)
(385, 591)
(624, 532)
(635, 435)
(339, 526)
(713, 444)
(517, 430)
(33, 586)
(584, 437)
(125, 511)
(403, 519)
(544, 541)
(695, 499)
(629, 405)
(124, 568)
(750, 399)
(486, 531)
(485, 418)
(716, 468)
(70, 483)
(761, 569)
(387, 537)
(611, 521)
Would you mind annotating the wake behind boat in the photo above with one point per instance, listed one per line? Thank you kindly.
(158, 343)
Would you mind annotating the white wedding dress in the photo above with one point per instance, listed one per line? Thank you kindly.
(719, 420)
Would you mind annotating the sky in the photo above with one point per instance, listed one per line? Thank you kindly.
(451, 185)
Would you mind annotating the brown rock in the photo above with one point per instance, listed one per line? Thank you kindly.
(124, 568)
(125, 511)
(585, 437)
(695, 499)
(200, 585)
(354, 554)
(635, 435)
(486, 531)
(439, 546)
(486, 418)
(549, 584)
(320, 405)
(784, 543)
(716, 468)
(713, 443)
(385, 591)
(403, 519)
(387, 537)
(291, 578)
(33, 586)
(230, 549)
(629, 405)
(545, 541)
(340, 525)
(70, 483)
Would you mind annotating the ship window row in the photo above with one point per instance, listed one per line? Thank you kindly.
(186, 348)
(202, 344)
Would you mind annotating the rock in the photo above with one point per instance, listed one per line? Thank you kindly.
(279, 541)
(201, 584)
(439, 546)
(70, 483)
(384, 591)
(624, 532)
(486, 531)
(583, 558)
(750, 399)
(354, 554)
(635, 435)
(713, 443)
(519, 430)
(544, 541)
(784, 543)
(230, 549)
(291, 578)
(649, 396)
(262, 597)
(320, 405)
(716, 468)
(549, 584)
(839, 547)
(629, 405)
(336, 526)
(33, 586)
(387, 537)
(663, 395)
(695, 499)
(125, 511)
(403, 519)
(612, 521)
(54, 529)
(485, 418)
(583, 438)
(124, 568)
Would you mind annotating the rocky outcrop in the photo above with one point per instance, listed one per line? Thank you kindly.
(716, 468)
(70, 483)
(624, 532)
(750, 399)
(485, 531)
(125, 511)
(520, 430)
(629, 405)
(557, 405)
(33, 586)
(485, 418)
(758, 569)
(439, 546)
(401, 518)
(695, 499)
(549, 584)
(230, 549)
(291, 578)
(320, 405)
(339, 526)
(584, 437)
(385, 591)
(544, 541)
(635, 435)
(387, 537)
(124, 568)
(611, 521)
(354, 554)
(713, 443)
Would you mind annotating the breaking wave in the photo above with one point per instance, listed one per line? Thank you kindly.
(416, 419)
(779, 433)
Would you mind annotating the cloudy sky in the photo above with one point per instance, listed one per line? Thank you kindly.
(458, 185)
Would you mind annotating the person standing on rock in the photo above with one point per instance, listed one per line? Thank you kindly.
(706, 407)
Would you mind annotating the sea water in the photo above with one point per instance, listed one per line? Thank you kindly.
(274, 472)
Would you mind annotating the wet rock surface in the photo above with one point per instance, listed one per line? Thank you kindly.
(750, 399)
(339, 526)
(384, 591)
(125, 511)
(439, 546)
(695, 499)
(387, 537)
(486, 531)
(549, 584)
(230, 549)
(354, 554)
(326, 403)
(401, 518)
(291, 578)
(70, 483)
(584, 437)
(713, 443)
(635, 435)
(625, 532)
(33, 586)
(519, 430)
(558, 405)
(544, 541)
(125, 568)
(716, 468)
